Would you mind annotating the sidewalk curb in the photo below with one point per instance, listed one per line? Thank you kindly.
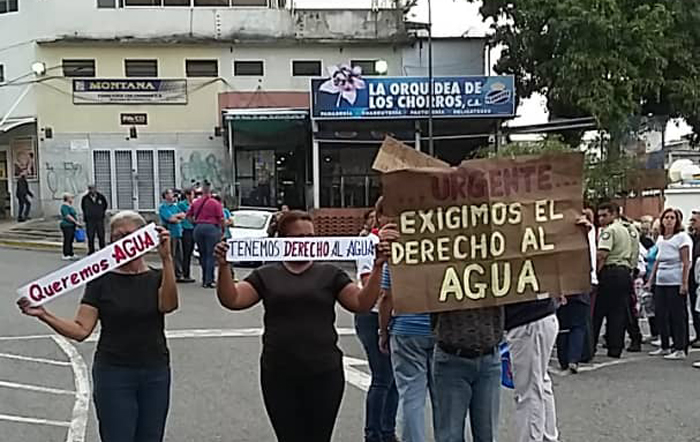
(32, 245)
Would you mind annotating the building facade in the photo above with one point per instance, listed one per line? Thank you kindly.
(142, 95)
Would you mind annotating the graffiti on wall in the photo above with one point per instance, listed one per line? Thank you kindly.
(198, 168)
(67, 177)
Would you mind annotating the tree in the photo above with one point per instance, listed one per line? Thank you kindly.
(608, 58)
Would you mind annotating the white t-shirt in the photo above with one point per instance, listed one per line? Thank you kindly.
(670, 266)
(592, 238)
(365, 265)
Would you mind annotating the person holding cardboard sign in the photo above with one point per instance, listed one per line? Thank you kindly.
(301, 371)
(131, 370)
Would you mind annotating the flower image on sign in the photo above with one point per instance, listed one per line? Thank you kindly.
(346, 95)
(300, 249)
(69, 278)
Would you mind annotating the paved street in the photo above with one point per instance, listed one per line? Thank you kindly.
(45, 384)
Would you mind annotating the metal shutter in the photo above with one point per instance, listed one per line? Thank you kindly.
(145, 180)
(166, 170)
(124, 177)
(102, 162)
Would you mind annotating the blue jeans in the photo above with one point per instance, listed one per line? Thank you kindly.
(131, 403)
(467, 386)
(411, 357)
(382, 397)
(207, 236)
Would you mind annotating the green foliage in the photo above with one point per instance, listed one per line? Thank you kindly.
(608, 58)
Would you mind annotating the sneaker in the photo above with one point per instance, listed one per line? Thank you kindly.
(660, 352)
(65, 258)
(74, 258)
(696, 364)
(696, 343)
(656, 343)
(573, 368)
(677, 355)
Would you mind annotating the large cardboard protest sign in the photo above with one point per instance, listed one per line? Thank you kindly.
(394, 155)
(301, 249)
(488, 232)
(69, 278)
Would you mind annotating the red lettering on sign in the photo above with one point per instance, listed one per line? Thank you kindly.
(147, 240)
(104, 264)
(118, 254)
(56, 286)
(495, 183)
(35, 293)
(74, 278)
(544, 177)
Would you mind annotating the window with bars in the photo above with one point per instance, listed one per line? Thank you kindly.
(79, 68)
(141, 68)
(248, 68)
(102, 163)
(7, 6)
(202, 68)
(306, 68)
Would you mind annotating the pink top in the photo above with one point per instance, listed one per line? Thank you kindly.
(206, 210)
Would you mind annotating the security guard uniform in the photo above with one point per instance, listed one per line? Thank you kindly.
(614, 287)
(632, 328)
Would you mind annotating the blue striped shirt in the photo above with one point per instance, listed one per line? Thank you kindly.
(410, 324)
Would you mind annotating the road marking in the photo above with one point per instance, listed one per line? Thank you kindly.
(78, 423)
(40, 389)
(355, 377)
(31, 420)
(31, 359)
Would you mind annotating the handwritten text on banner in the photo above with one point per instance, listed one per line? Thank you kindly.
(91, 267)
(300, 249)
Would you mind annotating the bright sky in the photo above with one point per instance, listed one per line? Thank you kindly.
(460, 17)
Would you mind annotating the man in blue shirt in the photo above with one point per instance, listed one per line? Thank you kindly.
(171, 218)
(412, 345)
(187, 235)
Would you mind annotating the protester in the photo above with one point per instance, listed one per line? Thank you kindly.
(410, 341)
(23, 193)
(171, 217)
(670, 279)
(614, 279)
(382, 397)
(646, 232)
(272, 228)
(228, 218)
(187, 236)
(632, 328)
(94, 207)
(574, 340)
(301, 365)
(131, 369)
(207, 214)
(694, 231)
(467, 373)
(69, 222)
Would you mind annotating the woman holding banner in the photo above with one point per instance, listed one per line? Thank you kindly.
(301, 365)
(131, 370)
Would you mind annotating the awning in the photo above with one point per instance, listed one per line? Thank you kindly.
(258, 114)
(12, 123)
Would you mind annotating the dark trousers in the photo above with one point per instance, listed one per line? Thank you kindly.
(302, 407)
(187, 250)
(693, 297)
(574, 334)
(176, 250)
(382, 398)
(68, 236)
(611, 304)
(671, 316)
(207, 236)
(131, 403)
(24, 207)
(95, 228)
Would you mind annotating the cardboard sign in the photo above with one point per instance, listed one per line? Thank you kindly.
(300, 249)
(488, 232)
(91, 267)
(394, 155)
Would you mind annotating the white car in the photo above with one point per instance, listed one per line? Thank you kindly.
(249, 223)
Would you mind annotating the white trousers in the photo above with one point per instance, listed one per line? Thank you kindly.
(530, 350)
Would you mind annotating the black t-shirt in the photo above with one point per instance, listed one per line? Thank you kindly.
(132, 332)
(299, 316)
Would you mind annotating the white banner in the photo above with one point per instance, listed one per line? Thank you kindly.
(300, 249)
(79, 273)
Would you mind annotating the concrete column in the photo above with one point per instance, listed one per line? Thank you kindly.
(315, 166)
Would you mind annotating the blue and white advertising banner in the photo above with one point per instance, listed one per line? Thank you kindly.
(129, 91)
(346, 95)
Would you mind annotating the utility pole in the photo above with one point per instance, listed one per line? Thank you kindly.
(431, 145)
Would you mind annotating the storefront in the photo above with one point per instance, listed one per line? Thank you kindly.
(18, 155)
(322, 157)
